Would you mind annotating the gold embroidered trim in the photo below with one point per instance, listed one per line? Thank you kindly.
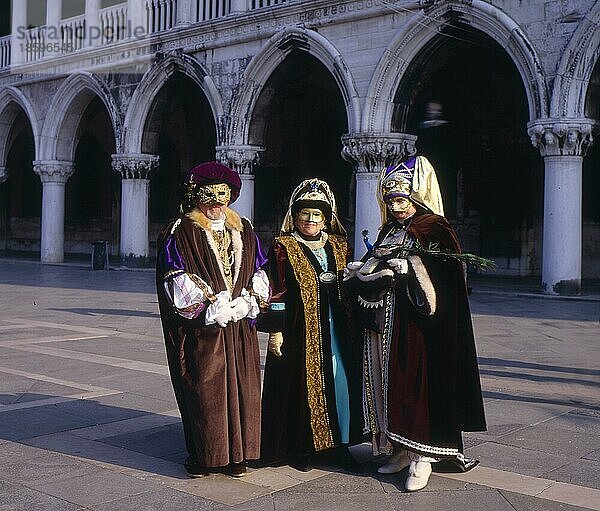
(309, 290)
(340, 253)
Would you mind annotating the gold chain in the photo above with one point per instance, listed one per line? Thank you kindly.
(223, 241)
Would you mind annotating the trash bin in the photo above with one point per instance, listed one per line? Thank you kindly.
(99, 255)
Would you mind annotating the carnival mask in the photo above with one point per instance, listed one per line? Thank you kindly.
(214, 194)
(311, 215)
(398, 204)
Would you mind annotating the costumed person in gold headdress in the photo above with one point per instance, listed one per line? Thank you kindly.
(312, 384)
(210, 289)
(421, 378)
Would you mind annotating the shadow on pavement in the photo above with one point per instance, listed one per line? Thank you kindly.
(90, 430)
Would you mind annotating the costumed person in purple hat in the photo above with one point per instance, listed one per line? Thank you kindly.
(210, 290)
(421, 378)
(312, 384)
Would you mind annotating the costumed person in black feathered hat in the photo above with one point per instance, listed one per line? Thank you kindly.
(312, 384)
(421, 378)
(210, 290)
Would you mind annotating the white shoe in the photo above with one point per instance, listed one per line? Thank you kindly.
(418, 475)
(395, 463)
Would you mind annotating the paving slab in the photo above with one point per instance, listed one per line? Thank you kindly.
(474, 500)
(163, 499)
(526, 503)
(88, 415)
(547, 439)
(516, 459)
(20, 498)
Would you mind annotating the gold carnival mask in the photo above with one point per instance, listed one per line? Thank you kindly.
(311, 215)
(214, 194)
(398, 204)
(396, 187)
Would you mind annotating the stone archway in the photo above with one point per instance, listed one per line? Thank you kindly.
(299, 118)
(463, 96)
(576, 69)
(178, 129)
(12, 102)
(409, 43)
(591, 184)
(20, 188)
(60, 131)
(152, 82)
(264, 63)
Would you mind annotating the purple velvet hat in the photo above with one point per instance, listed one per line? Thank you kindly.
(213, 172)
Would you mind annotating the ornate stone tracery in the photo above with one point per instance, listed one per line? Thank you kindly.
(372, 152)
(54, 171)
(241, 158)
(561, 137)
(134, 166)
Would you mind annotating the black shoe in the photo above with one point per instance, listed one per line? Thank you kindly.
(303, 463)
(194, 469)
(234, 470)
(346, 462)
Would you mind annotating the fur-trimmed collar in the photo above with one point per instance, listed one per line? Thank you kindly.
(232, 219)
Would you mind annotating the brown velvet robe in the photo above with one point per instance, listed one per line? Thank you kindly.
(215, 371)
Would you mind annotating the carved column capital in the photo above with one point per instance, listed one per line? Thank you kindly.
(3, 175)
(372, 152)
(241, 158)
(54, 171)
(134, 166)
(561, 137)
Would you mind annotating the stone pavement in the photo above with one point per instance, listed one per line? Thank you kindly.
(88, 419)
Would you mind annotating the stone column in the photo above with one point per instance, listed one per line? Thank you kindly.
(370, 153)
(54, 176)
(53, 15)
(92, 23)
(135, 172)
(239, 6)
(18, 27)
(185, 14)
(136, 19)
(242, 159)
(562, 144)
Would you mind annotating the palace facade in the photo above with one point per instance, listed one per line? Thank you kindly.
(104, 105)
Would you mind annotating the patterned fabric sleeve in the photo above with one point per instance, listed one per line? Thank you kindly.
(188, 293)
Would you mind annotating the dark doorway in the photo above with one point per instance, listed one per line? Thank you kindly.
(465, 99)
(92, 194)
(299, 117)
(181, 129)
(591, 185)
(21, 194)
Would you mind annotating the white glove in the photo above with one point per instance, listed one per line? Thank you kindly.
(399, 265)
(275, 343)
(220, 310)
(351, 269)
(260, 286)
(244, 306)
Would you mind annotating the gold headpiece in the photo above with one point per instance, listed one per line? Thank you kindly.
(415, 179)
(313, 193)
